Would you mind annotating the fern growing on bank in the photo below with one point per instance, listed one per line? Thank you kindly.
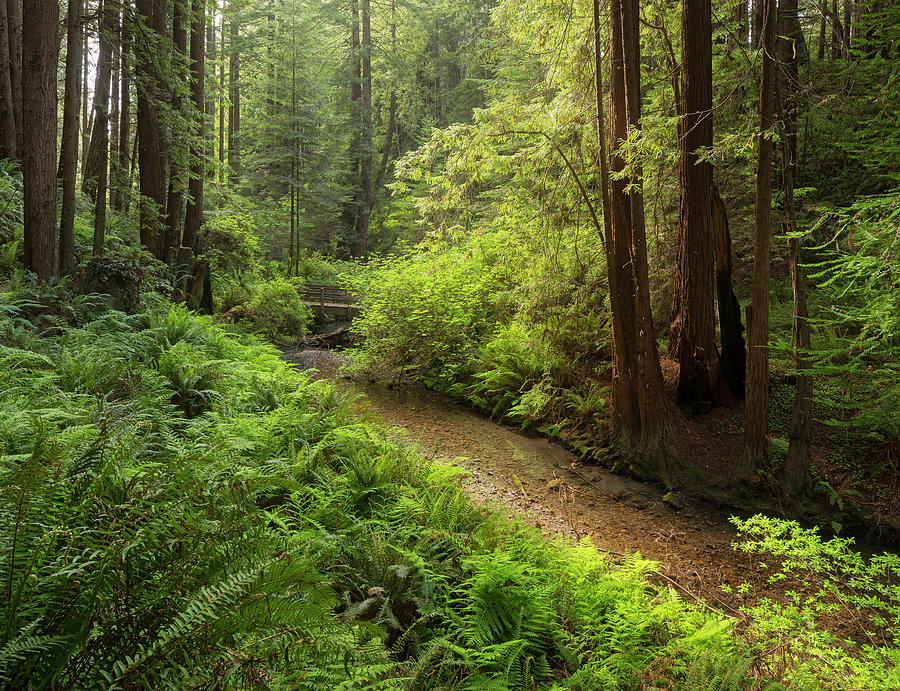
(245, 531)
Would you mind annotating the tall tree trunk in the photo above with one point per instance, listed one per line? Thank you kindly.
(692, 338)
(822, 28)
(114, 174)
(194, 218)
(85, 96)
(8, 141)
(211, 60)
(848, 12)
(795, 477)
(14, 18)
(392, 108)
(756, 424)
(69, 156)
(179, 151)
(836, 39)
(152, 156)
(365, 168)
(234, 91)
(100, 138)
(222, 54)
(758, 18)
(40, 52)
(641, 414)
(123, 176)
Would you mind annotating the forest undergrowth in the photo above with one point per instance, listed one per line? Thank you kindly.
(181, 509)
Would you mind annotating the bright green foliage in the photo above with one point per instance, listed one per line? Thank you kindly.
(422, 327)
(864, 593)
(277, 311)
(181, 509)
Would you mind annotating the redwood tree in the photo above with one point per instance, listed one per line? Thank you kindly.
(8, 148)
(40, 51)
(69, 156)
(756, 422)
(194, 218)
(692, 339)
(152, 158)
(640, 413)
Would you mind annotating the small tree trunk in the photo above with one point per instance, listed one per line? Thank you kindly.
(40, 50)
(365, 170)
(177, 172)
(222, 54)
(8, 142)
(392, 109)
(85, 97)
(756, 446)
(114, 174)
(69, 156)
(14, 18)
(848, 12)
(194, 218)
(100, 138)
(234, 90)
(836, 39)
(123, 176)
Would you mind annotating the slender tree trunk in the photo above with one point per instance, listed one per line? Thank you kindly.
(211, 61)
(795, 475)
(8, 141)
(692, 338)
(40, 51)
(194, 218)
(114, 174)
(100, 138)
(848, 12)
(756, 446)
(85, 96)
(758, 12)
(179, 150)
(69, 156)
(123, 175)
(234, 90)
(14, 18)
(822, 29)
(836, 39)
(365, 170)
(222, 54)
(152, 156)
(392, 108)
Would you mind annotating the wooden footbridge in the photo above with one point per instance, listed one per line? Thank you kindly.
(330, 301)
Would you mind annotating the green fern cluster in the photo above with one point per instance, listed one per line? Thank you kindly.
(180, 509)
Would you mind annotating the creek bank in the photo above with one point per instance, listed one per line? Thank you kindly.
(547, 486)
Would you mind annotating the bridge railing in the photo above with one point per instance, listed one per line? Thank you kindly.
(330, 299)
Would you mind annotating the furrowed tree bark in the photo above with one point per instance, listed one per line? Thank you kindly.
(100, 138)
(692, 337)
(40, 52)
(641, 415)
(194, 218)
(756, 423)
(179, 151)
(85, 97)
(152, 155)
(14, 19)
(69, 155)
(8, 142)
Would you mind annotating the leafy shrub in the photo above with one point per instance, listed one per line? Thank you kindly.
(424, 316)
(276, 310)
